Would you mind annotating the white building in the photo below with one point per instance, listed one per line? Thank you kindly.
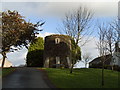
(6, 64)
(116, 55)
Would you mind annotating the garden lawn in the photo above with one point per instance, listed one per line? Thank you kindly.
(82, 78)
(6, 71)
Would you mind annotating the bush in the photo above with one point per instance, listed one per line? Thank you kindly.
(35, 53)
(116, 68)
(108, 67)
(96, 66)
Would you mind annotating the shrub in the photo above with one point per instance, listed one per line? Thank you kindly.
(35, 53)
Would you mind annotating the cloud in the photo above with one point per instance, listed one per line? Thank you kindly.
(44, 34)
(59, 9)
(17, 57)
(89, 47)
(60, 0)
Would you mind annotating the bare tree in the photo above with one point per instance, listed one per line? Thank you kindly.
(110, 40)
(102, 44)
(86, 58)
(116, 26)
(116, 34)
(76, 25)
(109, 35)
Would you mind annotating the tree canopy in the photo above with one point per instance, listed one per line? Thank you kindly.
(16, 32)
(35, 53)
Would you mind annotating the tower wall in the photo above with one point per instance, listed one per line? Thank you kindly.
(57, 51)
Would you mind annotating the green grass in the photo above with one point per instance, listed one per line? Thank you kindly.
(6, 71)
(82, 78)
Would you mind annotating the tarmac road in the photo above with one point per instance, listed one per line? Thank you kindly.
(25, 78)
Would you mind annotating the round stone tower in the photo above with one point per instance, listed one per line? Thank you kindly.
(57, 51)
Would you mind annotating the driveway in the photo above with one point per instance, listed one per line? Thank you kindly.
(25, 78)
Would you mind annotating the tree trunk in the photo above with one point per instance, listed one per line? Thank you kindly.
(112, 67)
(73, 59)
(71, 69)
(85, 65)
(4, 56)
(111, 58)
(103, 74)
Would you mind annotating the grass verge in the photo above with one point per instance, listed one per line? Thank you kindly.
(82, 78)
(6, 71)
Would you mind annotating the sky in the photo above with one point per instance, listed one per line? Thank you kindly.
(53, 12)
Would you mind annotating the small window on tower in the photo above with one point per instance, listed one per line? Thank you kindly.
(57, 40)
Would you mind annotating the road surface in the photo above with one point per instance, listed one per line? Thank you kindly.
(25, 78)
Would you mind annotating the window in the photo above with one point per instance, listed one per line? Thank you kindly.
(57, 41)
(57, 60)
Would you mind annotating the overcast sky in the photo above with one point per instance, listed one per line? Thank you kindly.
(53, 12)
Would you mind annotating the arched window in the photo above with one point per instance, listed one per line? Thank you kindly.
(57, 40)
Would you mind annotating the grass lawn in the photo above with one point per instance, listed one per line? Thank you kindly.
(6, 71)
(82, 78)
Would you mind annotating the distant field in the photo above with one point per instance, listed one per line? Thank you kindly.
(82, 78)
(6, 71)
